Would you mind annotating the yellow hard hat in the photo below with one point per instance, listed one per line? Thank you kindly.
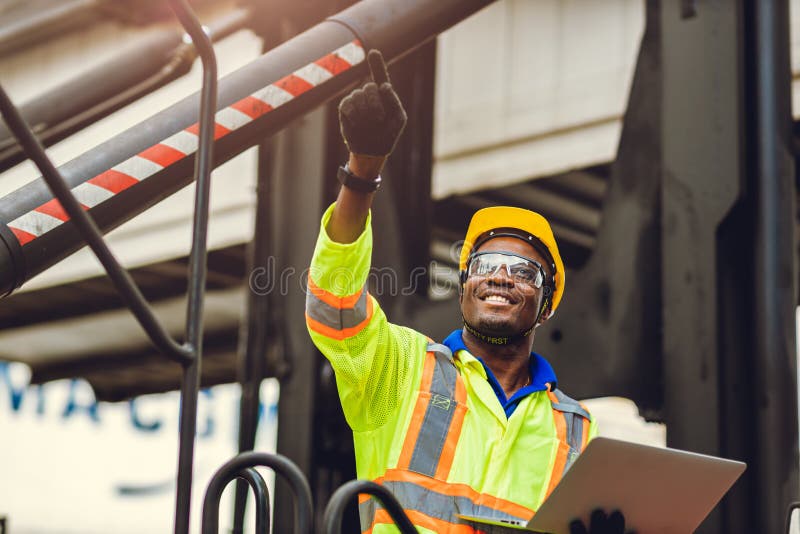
(529, 222)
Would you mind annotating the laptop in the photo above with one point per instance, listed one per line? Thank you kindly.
(658, 490)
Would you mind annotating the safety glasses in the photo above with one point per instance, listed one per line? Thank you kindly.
(519, 268)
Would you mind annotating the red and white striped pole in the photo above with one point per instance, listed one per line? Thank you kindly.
(152, 160)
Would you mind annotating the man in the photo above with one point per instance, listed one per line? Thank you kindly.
(474, 426)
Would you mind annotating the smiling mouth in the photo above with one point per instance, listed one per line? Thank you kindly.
(497, 299)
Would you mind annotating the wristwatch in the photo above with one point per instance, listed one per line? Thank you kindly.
(351, 181)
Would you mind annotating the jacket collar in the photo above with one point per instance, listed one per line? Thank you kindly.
(541, 371)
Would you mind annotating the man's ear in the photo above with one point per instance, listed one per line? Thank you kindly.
(547, 306)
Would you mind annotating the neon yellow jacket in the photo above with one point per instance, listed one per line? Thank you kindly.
(487, 464)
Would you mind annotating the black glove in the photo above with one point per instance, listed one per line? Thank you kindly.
(372, 117)
(600, 523)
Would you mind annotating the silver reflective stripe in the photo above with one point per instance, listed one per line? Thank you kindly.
(445, 373)
(438, 414)
(568, 404)
(575, 417)
(574, 438)
(430, 503)
(336, 318)
(438, 348)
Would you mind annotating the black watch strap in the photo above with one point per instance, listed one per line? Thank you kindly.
(351, 181)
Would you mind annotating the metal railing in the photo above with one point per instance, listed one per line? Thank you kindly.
(241, 466)
(188, 354)
(303, 505)
(261, 493)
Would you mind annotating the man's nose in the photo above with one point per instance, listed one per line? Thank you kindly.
(501, 275)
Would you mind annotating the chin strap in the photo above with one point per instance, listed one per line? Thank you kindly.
(494, 340)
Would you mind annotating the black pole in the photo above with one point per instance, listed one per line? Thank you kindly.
(775, 387)
(197, 263)
(258, 330)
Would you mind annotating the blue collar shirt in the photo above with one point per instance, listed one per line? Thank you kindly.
(541, 372)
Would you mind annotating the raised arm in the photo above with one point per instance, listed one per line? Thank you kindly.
(376, 362)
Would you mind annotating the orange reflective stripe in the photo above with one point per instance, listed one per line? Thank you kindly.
(563, 449)
(453, 435)
(461, 392)
(330, 299)
(427, 373)
(422, 520)
(418, 415)
(457, 490)
(344, 333)
(413, 429)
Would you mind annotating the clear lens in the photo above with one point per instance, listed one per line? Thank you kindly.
(521, 269)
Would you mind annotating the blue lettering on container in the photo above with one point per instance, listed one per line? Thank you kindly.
(16, 393)
(138, 424)
(74, 406)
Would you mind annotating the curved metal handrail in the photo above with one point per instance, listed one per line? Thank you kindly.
(197, 260)
(303, 510)
(332, 521)
(261, 493)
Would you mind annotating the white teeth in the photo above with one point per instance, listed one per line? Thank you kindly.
(497, 298)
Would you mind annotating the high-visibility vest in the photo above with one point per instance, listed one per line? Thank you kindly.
(419, 481)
